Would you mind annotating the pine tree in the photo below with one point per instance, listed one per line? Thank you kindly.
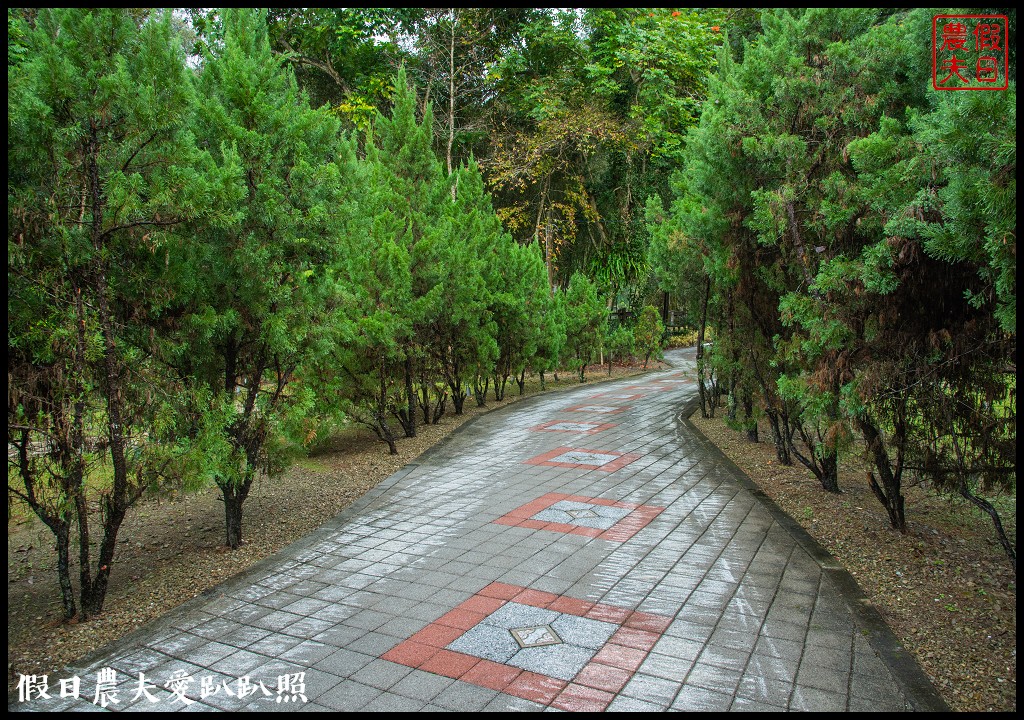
(371, 343)
(255, 294)
(586, 322)
(648, 334)
(101, 169)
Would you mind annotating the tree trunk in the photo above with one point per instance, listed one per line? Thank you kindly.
(830, 472)
(748, 413)
(84, 562)
(382, 431)
(67, 592)
(547, 258)
(94, 596)
(458, 397)
(410, 395)
(424, 401)
(701, 389)
(889, 493)
(451, 97)
(440, 404)
(778, 437)
(997, 522)
(480, 391)
(232, 519)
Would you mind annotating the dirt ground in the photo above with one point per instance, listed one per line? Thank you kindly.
(945, 588)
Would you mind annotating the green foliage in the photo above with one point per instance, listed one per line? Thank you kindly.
(621, 344)
(586, 321)
(101, 169)
(858, 232)
(971, 139)
(648, 334)
(550, 335)
(246, 334)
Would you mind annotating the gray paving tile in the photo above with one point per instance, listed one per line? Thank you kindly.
(699, 699)
(463, 697)
(381, 674)
(349, 696)
(420, 685)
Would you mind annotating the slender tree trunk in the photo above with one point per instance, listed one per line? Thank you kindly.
(67, 592)
(997, 523)
(889, 493)
(748, 413)
(410, 395)
(547, 257)
(114, 515)
(424, 401)
(84, 540)
(778, 436)
(441, 404)
(701, 388)
(451, 95)
(383, 431)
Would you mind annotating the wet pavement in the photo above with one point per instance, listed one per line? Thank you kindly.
(580, 550)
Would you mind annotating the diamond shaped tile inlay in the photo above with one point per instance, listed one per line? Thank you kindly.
(586, 428)
(583, 514)
(580, 515)
(535, 636)
(601, 409)
(551, 649)
(606, 460)
(577, 457)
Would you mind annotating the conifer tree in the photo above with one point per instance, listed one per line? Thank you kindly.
(550, 331)
(101, 168)
(372, 340)
(255, 295)
(586, 322)
(417, 183)
(648, 334)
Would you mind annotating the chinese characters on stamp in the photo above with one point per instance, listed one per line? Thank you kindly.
(970, 52)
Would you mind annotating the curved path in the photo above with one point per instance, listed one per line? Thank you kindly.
(583, 550)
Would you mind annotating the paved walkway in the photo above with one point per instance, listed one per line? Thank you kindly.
(580, 550)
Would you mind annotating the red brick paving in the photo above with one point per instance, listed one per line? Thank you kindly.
(546, 427)
(623, 530)
(621, 459)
